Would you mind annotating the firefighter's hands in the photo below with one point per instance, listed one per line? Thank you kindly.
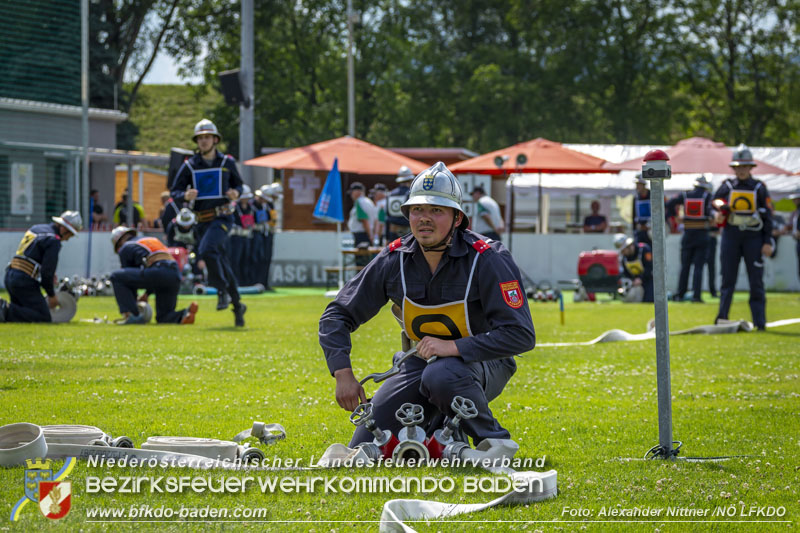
(52, 302)
(190, 195)
(349, 392)
(143, 297)
(232, 194)
(431, 347)
(767, 250)
(719, 218)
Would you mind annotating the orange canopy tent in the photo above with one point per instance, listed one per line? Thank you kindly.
(541, 155)
(698, 155)
(355, 157)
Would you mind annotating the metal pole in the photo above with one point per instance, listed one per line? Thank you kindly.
(662, 320)
(129, 204)
(246, 114)
(351, 91)
(539, 223)
(83, 194)
(509, 197)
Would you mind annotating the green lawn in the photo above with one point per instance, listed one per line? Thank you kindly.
(585, 409)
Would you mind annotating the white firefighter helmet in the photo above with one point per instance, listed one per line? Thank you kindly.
(622, 241)
(247, 192)
(436, 186)
(71, 220)
(186, 218)
(742, 157)
(272, 190)
(703, 182)
(119, 232)
(206, 126)
(404, 175)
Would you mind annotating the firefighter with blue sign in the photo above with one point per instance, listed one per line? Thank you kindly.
(147, 264)
(33, 268)
(694, 244)
(642, 213)
(743, 205)
(459, 299)
(210, 183)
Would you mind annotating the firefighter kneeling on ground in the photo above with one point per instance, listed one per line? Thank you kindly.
(146, 264)
(637, 267)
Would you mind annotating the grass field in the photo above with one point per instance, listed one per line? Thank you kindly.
(584, 408)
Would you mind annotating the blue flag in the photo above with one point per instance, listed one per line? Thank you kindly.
(329, 206)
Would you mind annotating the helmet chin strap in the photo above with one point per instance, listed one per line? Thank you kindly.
(445, 243)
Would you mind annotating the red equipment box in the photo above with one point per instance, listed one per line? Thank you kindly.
(599, 270)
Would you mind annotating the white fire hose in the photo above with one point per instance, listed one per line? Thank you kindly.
(724, 326)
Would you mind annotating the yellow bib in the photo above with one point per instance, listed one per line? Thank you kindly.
(448, 321)
(26, 241)
(635, 267)
(742, 202)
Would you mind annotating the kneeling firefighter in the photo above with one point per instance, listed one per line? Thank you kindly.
(637, 266)
(146, 264)
(462, 303)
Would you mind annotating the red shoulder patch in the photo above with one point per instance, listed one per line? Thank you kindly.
(395, 244)
(512, 293)
(480, 246)
(648, 256)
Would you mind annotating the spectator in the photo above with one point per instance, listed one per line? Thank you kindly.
(595, 223)
(98, 216)
(487, 220)
(121, 213)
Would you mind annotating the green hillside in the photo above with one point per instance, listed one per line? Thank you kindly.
(166, 115)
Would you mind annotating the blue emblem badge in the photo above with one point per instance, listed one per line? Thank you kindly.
(427, 182)
(37, 471)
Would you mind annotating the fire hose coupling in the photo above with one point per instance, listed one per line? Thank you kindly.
(412, 437)
(464, 409)
(384, 442)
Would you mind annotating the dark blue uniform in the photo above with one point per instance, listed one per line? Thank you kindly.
(396, 224)
(642, 215)
(258, 253)
(161, 277)
(240, 250)
(640, 265)
(211, 181)
(796, 235)
(168, 213)
(269, 244)
(694, 243)
(495, 325)
(711, 259)
(747, 229)
(39, 250)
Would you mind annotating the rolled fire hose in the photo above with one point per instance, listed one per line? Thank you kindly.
(725, 326)
(146, 311)
(67, 307)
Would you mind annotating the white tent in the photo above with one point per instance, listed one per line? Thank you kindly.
(779, 186)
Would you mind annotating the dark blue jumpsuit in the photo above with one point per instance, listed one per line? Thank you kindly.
(747, 229)
(240, 247)
(394, 217)
(694, 243)
(162, 278)
(498, 322)
(642, 214)
(796, 234)
(269, 244)
(258, 253)
(39, 246)
(212, 181)
(711, 259)
(640, 265)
